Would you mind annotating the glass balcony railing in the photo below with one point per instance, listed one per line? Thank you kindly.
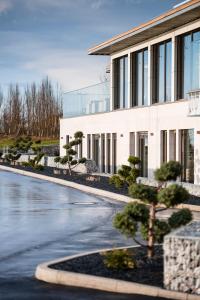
(194, 103)
(90, 100)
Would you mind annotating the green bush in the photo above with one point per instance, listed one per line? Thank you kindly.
(173, 195)
(147, 194)
(39, 167)
(126, 175)
(168, 171)
(127, 220)
(117, 181)
(25, 164)
(119, 259)
(180, 218)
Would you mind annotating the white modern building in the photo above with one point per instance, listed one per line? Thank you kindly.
(151, 106)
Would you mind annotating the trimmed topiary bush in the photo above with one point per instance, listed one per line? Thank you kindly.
(137, 216)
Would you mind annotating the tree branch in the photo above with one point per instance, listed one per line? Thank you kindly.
(137, 242)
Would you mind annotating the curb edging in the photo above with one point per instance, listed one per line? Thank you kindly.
(45, 273)
(87, 189)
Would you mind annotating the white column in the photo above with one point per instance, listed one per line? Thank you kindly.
(174, 70)
(150, 74)
(111, 153)
(129, 80)
(178, 146)
(168, 145)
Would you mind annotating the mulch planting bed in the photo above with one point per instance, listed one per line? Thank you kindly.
(100, 182)
(148, 271)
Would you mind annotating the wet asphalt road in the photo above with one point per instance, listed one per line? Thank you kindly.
(41, 221)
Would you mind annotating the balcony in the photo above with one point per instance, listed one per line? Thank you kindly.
(90, 100)
(194, 103)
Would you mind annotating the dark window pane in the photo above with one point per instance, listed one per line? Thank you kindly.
(121, 82)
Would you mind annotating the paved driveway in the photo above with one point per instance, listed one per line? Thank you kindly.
(41, 221)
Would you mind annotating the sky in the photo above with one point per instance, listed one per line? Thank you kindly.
(42, 38)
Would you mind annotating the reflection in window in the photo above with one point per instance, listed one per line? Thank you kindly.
(191, 63)
(121, 82)
(140, 78)
(143, 152)
(187, 155)
(162, 72)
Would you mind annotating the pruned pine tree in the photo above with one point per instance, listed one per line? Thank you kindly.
(142, 215)
(70, 159)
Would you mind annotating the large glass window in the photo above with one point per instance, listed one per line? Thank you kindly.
(89, 146)
(103, 153)
(114, 154)
(187, 154)
(108, 153)
(162, 72)
(143, 152)
(189, 64)
(121, 82)
(140, 78)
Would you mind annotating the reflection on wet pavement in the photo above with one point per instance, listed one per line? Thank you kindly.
(41, 221)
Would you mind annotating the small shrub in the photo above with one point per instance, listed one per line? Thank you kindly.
(25, 164)
(39, 167)
(180, 218)
(173, 195)
(147, 194)
(117, 181)
(119, 259)
(168, 171)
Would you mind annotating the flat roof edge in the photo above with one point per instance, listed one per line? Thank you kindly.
(98, 49)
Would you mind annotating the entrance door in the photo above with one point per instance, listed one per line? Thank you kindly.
(143, 152)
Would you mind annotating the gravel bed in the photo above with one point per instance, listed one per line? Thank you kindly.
(103, 183)
(148, 271)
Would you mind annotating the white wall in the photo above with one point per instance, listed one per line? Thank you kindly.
(168, 116)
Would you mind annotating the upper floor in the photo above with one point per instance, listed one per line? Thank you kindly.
(155, 63)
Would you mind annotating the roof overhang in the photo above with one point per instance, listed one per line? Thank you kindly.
(171, 20)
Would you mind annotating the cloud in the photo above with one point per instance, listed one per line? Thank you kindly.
(5, 5)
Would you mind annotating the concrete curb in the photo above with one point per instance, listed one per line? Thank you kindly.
(45, 273)
(83, 188)
(86, 189)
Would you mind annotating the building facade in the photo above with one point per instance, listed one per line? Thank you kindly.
(153, 110)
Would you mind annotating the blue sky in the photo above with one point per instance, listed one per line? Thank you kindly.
(51, 37)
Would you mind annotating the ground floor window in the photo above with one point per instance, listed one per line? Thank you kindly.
(96, 151)
(103, 167)
(143, 152)
(89, 146)
(108, 162)
(187, 154)
(114, 154)
(163, 146)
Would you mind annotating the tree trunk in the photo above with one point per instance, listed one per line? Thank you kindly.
(69, 168)
(151, 238)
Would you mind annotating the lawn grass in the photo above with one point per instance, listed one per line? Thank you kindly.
(7, 141)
